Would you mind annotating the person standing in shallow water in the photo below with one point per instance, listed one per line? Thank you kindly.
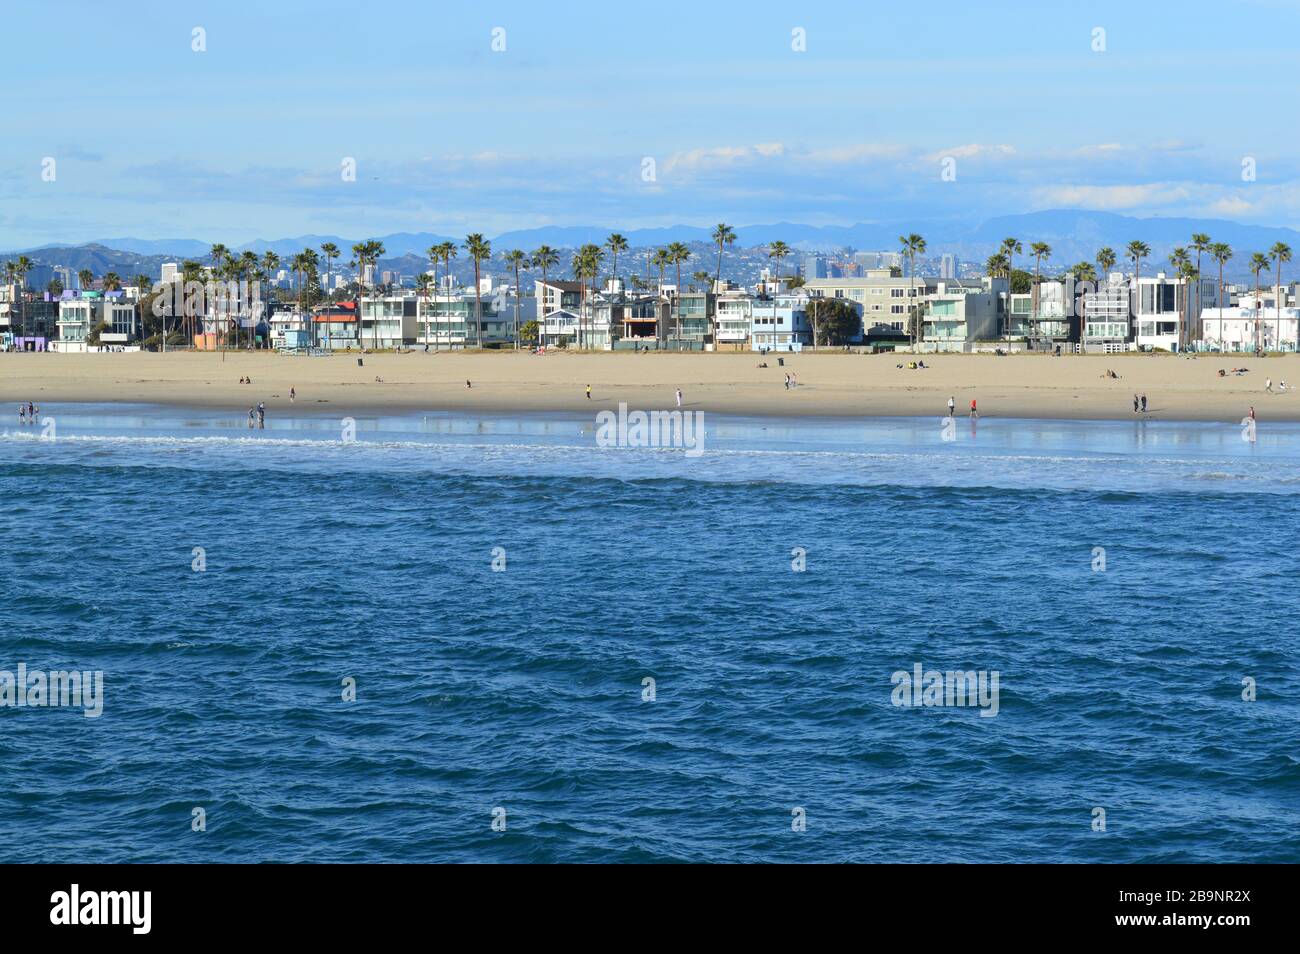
(1144, 404)
(679, 397)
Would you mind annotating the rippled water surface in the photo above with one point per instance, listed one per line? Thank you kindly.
(372, 560)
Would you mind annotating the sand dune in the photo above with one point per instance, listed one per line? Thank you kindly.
(833, 384)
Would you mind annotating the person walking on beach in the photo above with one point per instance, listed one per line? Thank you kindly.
(588, 392)
(467, 384)
(1268, 385)
(292, 394)
(1251, 412)
(679, 397)
(952, 405)
(787, 380)
(974, 411)
(1135, 403)
(1144, 404)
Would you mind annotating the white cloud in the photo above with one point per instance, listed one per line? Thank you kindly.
(974, 150)
(716, 157)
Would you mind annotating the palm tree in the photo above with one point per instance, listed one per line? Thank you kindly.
(724, 235)
(1040, 251)
(1136, 252)
(1200, 244)
(913, 245)
(142, 284)
(996, 265)
(248, 269)
(447, 251)
(586, 266)
(191, 271)
(662, 258)
(20, 269)
(1010, 247)
(112, 281)
(1281, 252)
(479, 249)
(1181, 262)
(1221, 252)
(778, 250)
(518, 260)
(367, 253)
(702, 280)
(1258, 262)
(544, 258)
(616, 243)
(678, 252)
(1084, 272)
(1105, 259)
(331, 252)
(85, 278)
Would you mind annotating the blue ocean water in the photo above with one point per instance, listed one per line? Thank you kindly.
(524, 689)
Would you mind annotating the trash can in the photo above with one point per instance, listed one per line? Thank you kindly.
(361, 363)
(780, 362)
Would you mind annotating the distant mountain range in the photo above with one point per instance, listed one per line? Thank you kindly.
(1075, 235)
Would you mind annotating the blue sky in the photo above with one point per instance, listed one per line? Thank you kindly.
(247, 139)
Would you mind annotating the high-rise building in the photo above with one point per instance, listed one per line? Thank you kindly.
(948, 266)
(814, 266)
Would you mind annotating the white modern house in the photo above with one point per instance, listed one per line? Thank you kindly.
(1254, 323)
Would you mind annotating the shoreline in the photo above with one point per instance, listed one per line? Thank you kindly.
(831, 385)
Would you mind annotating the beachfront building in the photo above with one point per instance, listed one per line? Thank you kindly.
(629, 321)
(958, 313)
(885, 297)
(1046, 316)
(1160, 309)
(688, 324)
(1253, 323)
(1105, 315)
(388, 321)
(557, 304)
(89, 319)
(445, 319)
(27, 322)
(781, 323)
(735, 322)
(335, 326)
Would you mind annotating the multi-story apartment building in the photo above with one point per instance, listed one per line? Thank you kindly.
(781, 322)
(1105, 315)
(388, 321)
(445, 319)
(954, 312)
(1255, 322)
(27, 322)
(1045, 319)
(81, 313)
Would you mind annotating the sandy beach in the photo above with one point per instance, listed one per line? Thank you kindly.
(829, 384)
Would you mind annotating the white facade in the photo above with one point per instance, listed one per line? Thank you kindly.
(1247, 327)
